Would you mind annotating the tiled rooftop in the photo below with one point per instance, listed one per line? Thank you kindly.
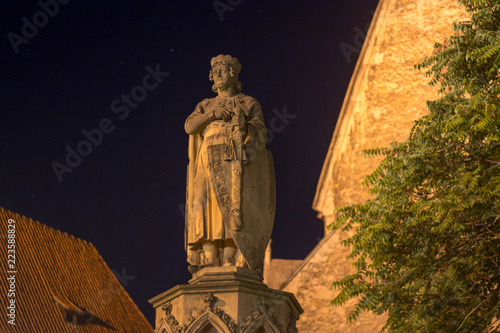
(62, 284)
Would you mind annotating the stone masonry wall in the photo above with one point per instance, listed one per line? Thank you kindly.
(384, 97)
(387, 93)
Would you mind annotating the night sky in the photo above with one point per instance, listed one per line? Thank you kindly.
(70, 76)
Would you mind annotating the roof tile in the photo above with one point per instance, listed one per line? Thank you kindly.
(51, 263)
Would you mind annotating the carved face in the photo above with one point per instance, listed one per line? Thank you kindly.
(222, 77)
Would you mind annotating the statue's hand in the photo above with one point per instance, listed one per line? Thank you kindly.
(222, 113)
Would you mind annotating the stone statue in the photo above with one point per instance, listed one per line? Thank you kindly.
(230, 184)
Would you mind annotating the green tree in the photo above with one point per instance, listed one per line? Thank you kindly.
(427, 246)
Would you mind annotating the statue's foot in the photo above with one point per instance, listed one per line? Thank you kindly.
(193, 268)
(211, 263)
(240, 261)
(228, 263)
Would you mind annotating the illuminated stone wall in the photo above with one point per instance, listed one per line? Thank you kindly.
(385, 95)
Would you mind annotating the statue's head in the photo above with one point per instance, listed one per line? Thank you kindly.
(232, 65)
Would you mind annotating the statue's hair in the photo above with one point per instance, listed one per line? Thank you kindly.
(234, 68)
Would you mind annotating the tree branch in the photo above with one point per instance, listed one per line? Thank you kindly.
(463, 322)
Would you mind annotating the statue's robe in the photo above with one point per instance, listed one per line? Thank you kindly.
(209, 182)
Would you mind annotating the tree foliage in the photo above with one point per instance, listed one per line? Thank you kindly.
(426, 249)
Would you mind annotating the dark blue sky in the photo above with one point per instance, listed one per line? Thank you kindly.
(60, 79)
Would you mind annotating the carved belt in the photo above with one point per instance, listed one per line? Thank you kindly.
(217, 127)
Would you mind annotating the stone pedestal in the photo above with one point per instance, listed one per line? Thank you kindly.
(225, 300)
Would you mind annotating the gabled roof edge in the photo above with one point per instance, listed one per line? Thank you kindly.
(370, 39)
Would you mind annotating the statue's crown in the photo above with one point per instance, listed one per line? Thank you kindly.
(226, 60)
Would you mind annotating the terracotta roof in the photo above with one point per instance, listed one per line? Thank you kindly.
(62, 284)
